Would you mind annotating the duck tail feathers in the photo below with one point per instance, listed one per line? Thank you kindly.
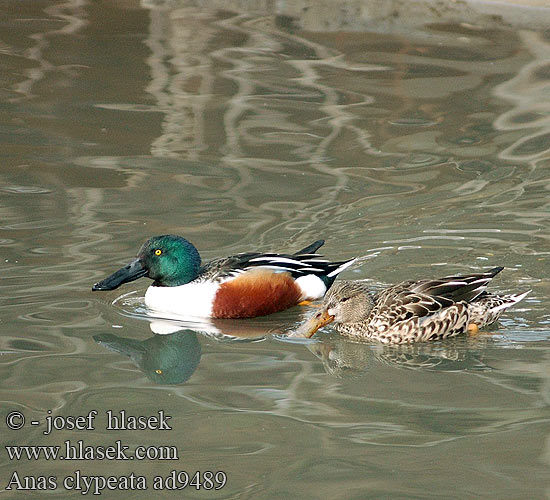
(510, 300)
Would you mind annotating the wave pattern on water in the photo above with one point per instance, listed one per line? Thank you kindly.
(424, 150)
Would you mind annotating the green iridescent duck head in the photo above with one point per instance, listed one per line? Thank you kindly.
(168, 260)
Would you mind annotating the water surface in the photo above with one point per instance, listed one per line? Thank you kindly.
(426, 150)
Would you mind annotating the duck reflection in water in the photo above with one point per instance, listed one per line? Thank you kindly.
(343, 358)
(167, 359)
(173, 353)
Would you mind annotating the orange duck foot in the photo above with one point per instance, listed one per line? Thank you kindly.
(472, 329)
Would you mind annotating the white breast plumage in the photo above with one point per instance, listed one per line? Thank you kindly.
(192, 299)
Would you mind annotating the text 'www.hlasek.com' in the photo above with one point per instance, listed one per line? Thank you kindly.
(77, 450)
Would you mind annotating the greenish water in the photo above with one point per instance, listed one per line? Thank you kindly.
(426, 150)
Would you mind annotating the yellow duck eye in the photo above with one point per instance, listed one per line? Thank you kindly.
(158, 251)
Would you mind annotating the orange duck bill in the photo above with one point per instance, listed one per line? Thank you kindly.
(313, 324)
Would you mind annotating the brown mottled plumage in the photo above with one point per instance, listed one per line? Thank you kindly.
(411, 311)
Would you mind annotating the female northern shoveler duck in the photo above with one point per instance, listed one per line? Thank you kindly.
(241, 286)
(412, 311)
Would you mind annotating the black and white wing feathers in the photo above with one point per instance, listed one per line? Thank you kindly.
(302, 263)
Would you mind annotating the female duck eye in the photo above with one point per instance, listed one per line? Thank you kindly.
(158, 251)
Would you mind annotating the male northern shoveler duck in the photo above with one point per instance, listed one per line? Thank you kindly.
(412, 311)
(241, 286)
